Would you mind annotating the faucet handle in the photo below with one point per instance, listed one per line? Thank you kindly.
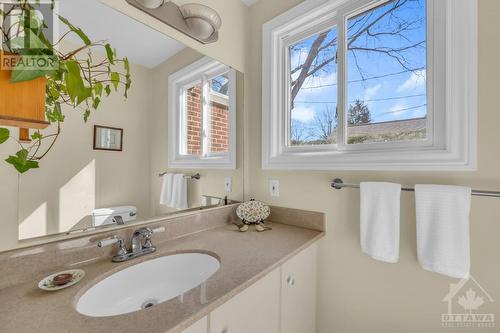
(108, 241)
(147, 242)
(113, 240)
(159, 229)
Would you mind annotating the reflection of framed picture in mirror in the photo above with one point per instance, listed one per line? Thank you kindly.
(108, 138)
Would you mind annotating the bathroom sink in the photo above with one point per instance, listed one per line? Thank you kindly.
(147, 284)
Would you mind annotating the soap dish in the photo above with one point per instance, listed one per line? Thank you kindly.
(51, 283)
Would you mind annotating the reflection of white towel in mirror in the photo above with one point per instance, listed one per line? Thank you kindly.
(179, 192)
(166, 189)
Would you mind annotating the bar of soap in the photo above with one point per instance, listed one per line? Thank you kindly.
(62, 279)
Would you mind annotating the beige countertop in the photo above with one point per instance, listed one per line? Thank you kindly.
(245, 258)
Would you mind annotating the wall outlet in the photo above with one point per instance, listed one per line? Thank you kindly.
(228, 184)
(274, 188)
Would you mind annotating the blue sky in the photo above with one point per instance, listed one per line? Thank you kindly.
(389, 96)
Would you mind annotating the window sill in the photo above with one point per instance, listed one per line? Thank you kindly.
(424, 159)
(205, 163)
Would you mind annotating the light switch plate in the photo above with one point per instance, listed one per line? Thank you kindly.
(228, 184)
(274, 188)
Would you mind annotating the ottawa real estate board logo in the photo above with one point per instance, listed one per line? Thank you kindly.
(468, 304)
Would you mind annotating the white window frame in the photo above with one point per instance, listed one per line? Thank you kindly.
(451, 142)
(199, 72)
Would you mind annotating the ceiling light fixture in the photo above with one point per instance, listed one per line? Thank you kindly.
(195, 20)
(202, 20)
(151, 4)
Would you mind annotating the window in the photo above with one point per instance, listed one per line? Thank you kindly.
(371, 85)
(386, 73)
(313, 77)
(202, 116)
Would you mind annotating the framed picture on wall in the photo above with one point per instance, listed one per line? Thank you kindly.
(108, 138)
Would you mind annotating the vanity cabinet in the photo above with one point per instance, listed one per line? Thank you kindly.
(298, 292)
(255, 309)
(201, 326)
(284, 301)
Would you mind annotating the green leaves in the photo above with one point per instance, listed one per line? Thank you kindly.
(21, 162)
(96, 102)
(55, 115)
(76, 30)
(98, 89)
(53, 92)
(74, 83)
(115, 80)
(128, 83)
(86, 115)
(126, 65)
(37, 136)
(110, 53)
(4, 135)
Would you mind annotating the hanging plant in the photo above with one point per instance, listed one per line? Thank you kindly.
(73, 78)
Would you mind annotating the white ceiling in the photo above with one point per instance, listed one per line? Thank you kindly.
(249, 2)
(141, 44)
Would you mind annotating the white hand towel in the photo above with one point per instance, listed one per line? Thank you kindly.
(379, 220)
(166, 189)
(443, 229)
(179, 193)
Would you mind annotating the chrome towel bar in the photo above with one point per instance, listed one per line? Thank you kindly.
(338, 184)
(195, 176)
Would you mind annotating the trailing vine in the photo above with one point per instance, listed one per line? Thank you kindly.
(74, 78)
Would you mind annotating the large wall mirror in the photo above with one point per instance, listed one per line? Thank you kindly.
(117, 168)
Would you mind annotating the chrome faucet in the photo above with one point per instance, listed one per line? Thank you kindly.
(141, 244)
(137, 245)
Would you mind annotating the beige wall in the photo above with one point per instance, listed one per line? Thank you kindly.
(9, 182)
(356, 293)
(74, 179)
(212, 181)
(230, 48)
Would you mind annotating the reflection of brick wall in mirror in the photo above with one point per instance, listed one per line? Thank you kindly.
(219, 122)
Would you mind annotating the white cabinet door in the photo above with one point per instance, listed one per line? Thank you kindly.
(201, 326)
(255, 310)
(298, 295)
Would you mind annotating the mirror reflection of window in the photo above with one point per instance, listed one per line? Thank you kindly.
(193, 113)
(202, 116)
(207, 116)
(219, 114)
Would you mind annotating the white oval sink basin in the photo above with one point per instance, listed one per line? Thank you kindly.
(146, 284)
